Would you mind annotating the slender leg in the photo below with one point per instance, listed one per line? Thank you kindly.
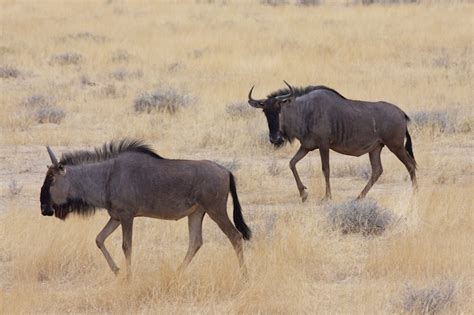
(127, 231)
(408, 161)
(324, 152)
(377, 170)
(100, 239)
(195, 237)
(222, 220)
(298, 156)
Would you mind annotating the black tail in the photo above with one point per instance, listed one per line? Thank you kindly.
(409, 147)
(238, 218)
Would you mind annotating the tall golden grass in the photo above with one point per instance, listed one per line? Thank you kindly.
(416, 56)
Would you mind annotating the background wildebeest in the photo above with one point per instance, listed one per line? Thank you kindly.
(130, 180)
(321, 118)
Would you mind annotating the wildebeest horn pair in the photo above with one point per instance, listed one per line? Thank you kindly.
(261, 103)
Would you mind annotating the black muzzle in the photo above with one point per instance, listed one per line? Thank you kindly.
(47, 210)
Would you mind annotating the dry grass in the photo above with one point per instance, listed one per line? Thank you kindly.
(95, 68)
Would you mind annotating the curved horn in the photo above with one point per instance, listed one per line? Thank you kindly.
(289, 95)
(250, 94)
(290, 87)
(52, 157)
(252, 102)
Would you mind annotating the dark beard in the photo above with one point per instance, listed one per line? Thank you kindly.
(76, 205)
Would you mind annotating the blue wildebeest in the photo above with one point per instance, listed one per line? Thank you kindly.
(130, 180)
(321, 118)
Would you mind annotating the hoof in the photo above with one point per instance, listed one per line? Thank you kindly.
(116, 271)
(304, 195)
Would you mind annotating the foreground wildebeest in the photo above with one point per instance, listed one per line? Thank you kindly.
(321, 118)
(130, 180)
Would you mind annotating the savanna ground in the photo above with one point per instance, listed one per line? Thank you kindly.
(71, 74)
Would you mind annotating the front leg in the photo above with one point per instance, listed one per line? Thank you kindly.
(324, 152)
(298, 156)
(106, 231)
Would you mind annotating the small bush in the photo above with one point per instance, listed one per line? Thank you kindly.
(7, 72)
(66, 59)
(240, 110)
(359, 216)
(120, 56)
(436, 121)
(85, 80)
(14, 188)
(429, 300)
(308, 2)
(165, 100)
(122, 74)
(87, 36)
(274, 3)
(369, 2)
(49, 114)
(37, 100)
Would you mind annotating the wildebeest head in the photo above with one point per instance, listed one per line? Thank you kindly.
(272, 107)
(55, 190)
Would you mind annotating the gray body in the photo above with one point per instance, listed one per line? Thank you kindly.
(130, 183)
(320, 118)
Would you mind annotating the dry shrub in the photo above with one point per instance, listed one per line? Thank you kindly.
(428, 300)
(85, 80)
(43, 109)
(359, 216)
(308, 2)
(85, 36)
(65, 59)
(123, 74)
(7, 72)
(440, 121)
(239, 110)
(274, 3)
(49, 114)
(163, 100)
(369, 2)
(120, 56)
(37, 100)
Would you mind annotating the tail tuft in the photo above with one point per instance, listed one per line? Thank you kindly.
(409, 146)
(238, 218)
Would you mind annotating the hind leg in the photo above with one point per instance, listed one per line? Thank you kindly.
(408, 161)
(235, 237)
(195, 236)
(377, 170)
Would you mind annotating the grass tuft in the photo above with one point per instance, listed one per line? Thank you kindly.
(163, 100)
(7, 72)
(359, 216)
(65, 59)
(49, 114)
(428, 300)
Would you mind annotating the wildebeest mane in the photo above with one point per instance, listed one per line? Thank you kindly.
(73, 205)
(299, 91)
(108, 151)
